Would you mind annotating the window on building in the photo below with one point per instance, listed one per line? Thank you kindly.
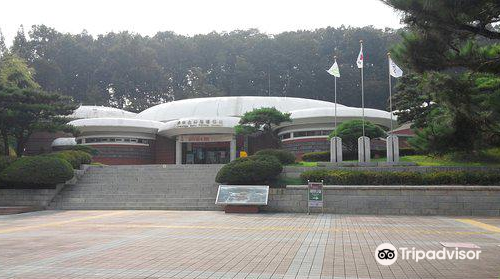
(313, 133)
(124, 140)
(285, 136)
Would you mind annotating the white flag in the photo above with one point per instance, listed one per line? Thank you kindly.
(334, 70)
(360, 58)
(394, 70)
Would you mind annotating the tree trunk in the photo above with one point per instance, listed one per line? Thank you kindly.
(5, 138)
(20, 145)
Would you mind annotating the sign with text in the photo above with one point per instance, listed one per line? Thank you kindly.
(187, 123)
(205, 138)
(315, 194)
(242, 195)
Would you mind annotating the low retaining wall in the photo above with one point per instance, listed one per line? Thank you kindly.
(36, 198)
(393, 200)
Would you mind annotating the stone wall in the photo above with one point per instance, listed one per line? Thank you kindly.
(394, 200)
(36, 198)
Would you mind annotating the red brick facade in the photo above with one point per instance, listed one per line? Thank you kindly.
(41, 142)
(121, 154)
(164, 150)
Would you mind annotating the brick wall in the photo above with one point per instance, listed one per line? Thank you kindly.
(259, 142)
(41, 142)
(164, 150)
(301, 146)
(116, 154)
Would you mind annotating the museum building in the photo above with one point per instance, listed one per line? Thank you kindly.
(201, 131)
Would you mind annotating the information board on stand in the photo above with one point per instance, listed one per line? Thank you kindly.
(315, 197)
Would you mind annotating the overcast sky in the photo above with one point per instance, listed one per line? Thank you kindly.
(192, 17)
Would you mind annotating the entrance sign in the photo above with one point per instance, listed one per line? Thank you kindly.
(315, 195)
(242, 195)
(205, 138)
(199, 123)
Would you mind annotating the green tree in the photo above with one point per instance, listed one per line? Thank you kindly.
(24, 111)
(449, 34)
(262, 120)
(15, 73)
(134, 72)
(3, 47)
(413, 100)
(350, 131)
(453, 49)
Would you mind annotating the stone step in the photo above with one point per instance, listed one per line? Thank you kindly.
(169, 187)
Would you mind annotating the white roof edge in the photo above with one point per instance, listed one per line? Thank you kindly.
(117, 122)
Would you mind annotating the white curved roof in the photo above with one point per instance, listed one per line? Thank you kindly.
(100, 112)
(120, 124)
(64, 142)
(226, 107)
(343, 113)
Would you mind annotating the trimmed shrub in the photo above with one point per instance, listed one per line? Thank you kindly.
(36, 172)
(402, 178)
(5, 161)
(75, 158)
(285, 157)
(322, 156)
(256, 169)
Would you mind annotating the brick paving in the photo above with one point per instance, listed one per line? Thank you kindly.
(199, 244)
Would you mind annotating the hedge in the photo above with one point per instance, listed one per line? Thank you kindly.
(85, 148)
(75, 158)
(5, 161)
(402, 178)
(285, 157)
(256, 169)
(323, 156)
(36, 172)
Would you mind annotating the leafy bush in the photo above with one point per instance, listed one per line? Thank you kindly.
(402, 178)
(75, 158)
(85, 148)
(322, 156)
(5, 161)
(256, 169)
(407, 152)
(36, 172)
(285, 157)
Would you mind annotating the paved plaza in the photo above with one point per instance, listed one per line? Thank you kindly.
(202, 244)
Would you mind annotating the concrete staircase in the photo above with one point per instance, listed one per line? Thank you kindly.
(174, 187)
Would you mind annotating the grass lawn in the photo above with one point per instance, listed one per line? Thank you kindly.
(491, 158)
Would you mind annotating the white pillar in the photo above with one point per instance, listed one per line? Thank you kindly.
(178, 151)
(335, 150)
(392, 149)
(232, 149)
(364, 149)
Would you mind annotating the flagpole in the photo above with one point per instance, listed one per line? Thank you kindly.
(363, 100)
(390, 87)
(335, 124)
(390, 102)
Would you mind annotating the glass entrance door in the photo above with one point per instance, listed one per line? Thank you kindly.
(205, 153)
